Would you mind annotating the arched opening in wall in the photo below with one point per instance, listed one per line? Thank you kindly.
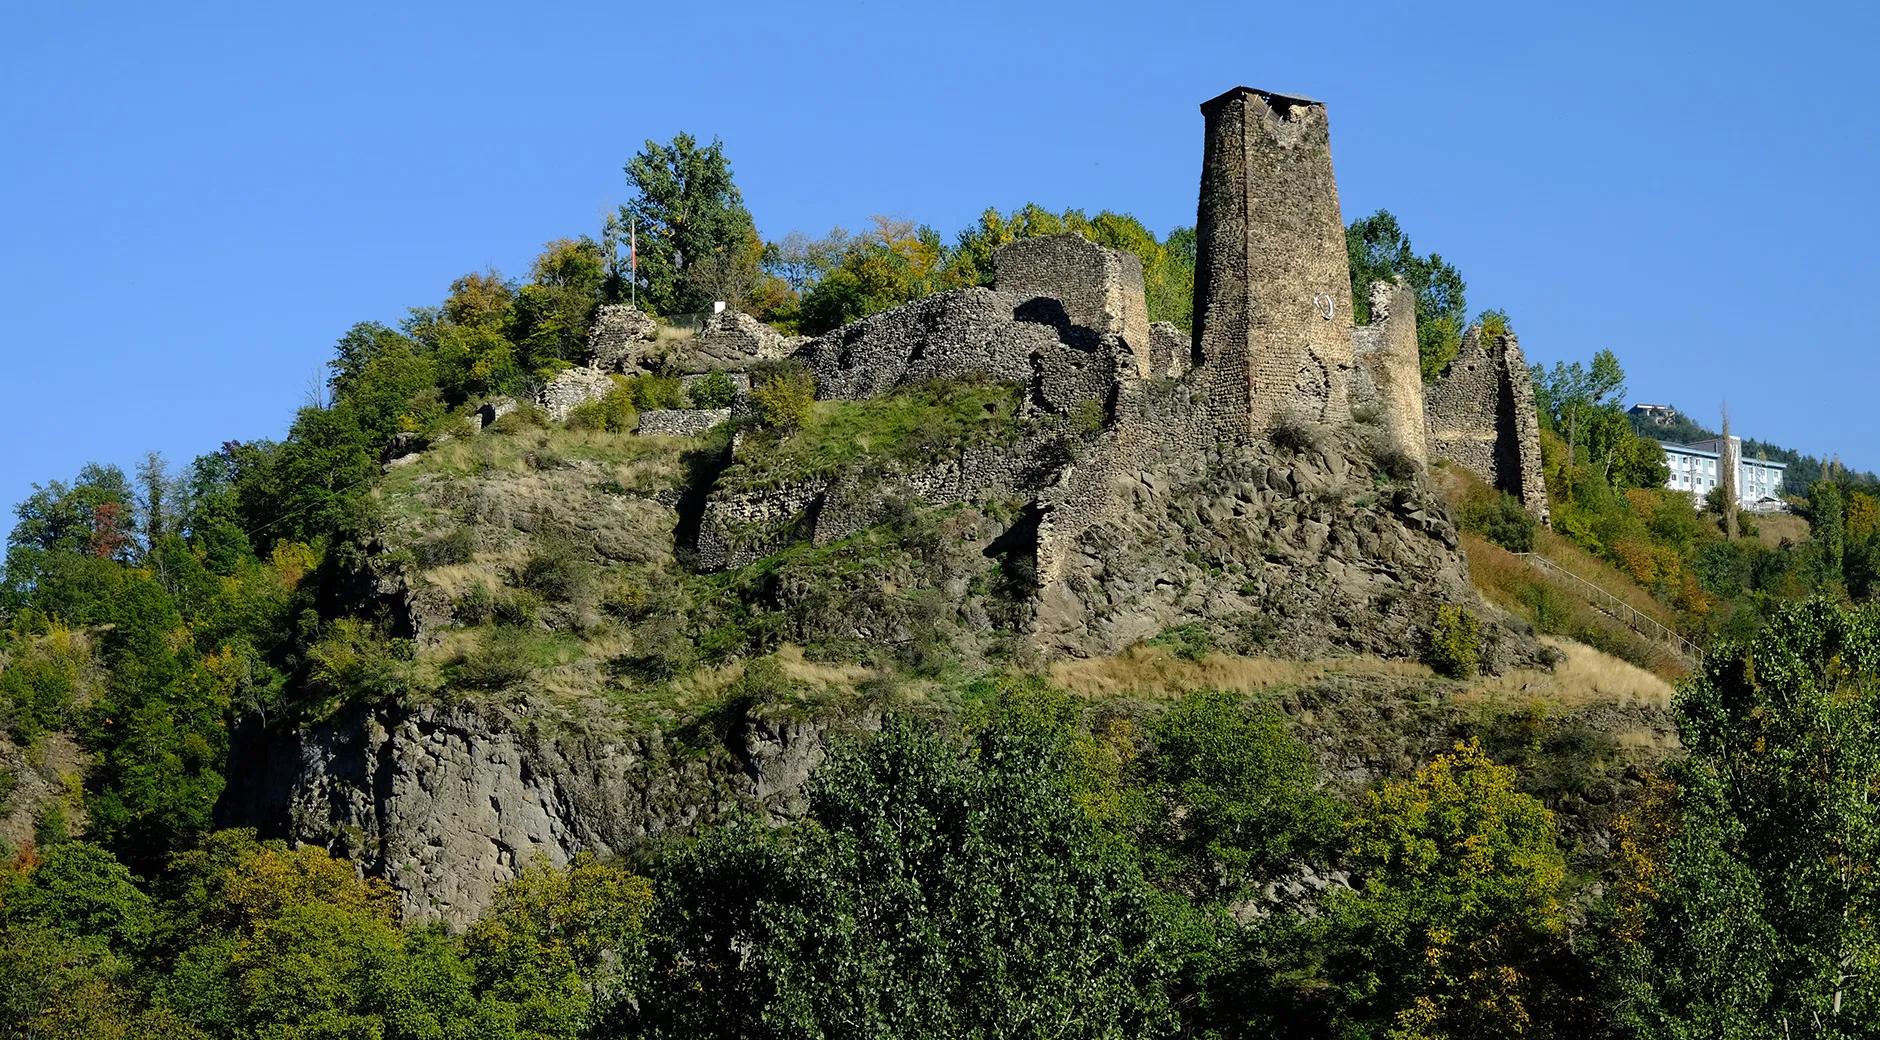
(1043, 310)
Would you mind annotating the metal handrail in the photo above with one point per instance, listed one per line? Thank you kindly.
(1632, 615)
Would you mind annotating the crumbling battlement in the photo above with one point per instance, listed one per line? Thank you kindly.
(620, 337)
(1099, 289)
(1481, 417)
(1387, 381)
(1254, 412)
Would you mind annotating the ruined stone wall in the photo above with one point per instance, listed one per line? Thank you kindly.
(573, 388)
(1170, 351)
(732, 341)
(1387, 379)
(1524, 431)
(1481, 416)
(739, 528)
(1099, 289)
(1272, 282)
(620, 337)
(681, 422)
(970, 334)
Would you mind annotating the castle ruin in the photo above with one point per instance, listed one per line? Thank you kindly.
(1273, 357)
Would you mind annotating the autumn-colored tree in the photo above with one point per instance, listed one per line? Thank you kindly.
(1458, 906)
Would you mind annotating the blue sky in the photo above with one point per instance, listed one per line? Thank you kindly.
(200, 200)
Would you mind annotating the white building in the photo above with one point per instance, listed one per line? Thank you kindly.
(1695, 471)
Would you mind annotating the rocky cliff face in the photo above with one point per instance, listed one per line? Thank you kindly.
(1308, 550)
(449, 803)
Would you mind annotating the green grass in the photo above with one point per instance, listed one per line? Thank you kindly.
(916, 425)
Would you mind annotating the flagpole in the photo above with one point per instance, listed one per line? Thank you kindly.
(633, 259)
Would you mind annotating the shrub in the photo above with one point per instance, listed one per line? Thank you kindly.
(1502, 520)
(476, 606)
(650, 392)
(525, 416)
(505, 657)
(556, 573)
(1190, 642)
(613, 412)
(714, 391)
(1455, 647)
(1294, 433)
(784, 398)
(455, 546)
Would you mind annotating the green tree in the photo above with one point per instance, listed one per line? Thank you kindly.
(1745, 899)
(688, 210)
(553, 311)
(1378, 250)
(784, 398)
(1457, 910)
(95, 514)
(1243, 797)
(934, 891)
(562, 945)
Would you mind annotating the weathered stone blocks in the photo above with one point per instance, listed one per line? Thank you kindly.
(1387, 379)
(573, 388)
(1272, 283)
(1099, 289)
(618, 339)
(1481, 417)
(681, 422)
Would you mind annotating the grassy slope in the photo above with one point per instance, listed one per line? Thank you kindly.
(1557, 606)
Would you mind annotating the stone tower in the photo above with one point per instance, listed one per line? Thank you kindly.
(1272, 285)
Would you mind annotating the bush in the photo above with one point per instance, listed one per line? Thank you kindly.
(455, 546)
(649, 392)
(1294, 433)
(616, 411)
(783, 398)
(1190, 642)
(506, 656)
(1502, 520)
(1455, 647)
(475, 606)
(556, 573)
(714, 391)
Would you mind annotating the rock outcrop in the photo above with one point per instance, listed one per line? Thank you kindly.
(447, 804)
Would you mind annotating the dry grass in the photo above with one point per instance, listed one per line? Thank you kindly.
(1584, 677)
(1584, 565)
(1775, 528)
(1152, 673)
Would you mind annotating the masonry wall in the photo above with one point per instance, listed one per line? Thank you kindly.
(1387, 379)
(1099, 289)
(1481, 416)
(971, 333)
(1272, 283)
